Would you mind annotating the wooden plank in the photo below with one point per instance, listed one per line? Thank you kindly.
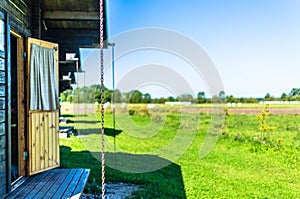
(21, 104)
(36, 133)
(51, 158)
(81, 182)
(65, 33)
(2, 141)
(2, 153)
(49, 183)
(36, 19)
(27, 187)
(57, 138)
(47, 133)
(21, 6)
(2, 191)
(57, 183)
(61, 190)
(22, 17)
(39, 186)
(71, 15)
(2, 166)
(42, 141)
(54, 140)
(73, 183)
(42, 43)
(34, 142)
(2, 179)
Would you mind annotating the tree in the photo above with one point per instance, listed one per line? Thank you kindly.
(251, 100)
(136, 96)
(108, 95)
(269, 97)
(219, 98)
(161, 100)
(118, 96)
(231, 99)
(284, 97)
(242, 100)
(295, 92)
(171, 99)
(222, 95)
(146, 98)
(185, 98)
(201, 97)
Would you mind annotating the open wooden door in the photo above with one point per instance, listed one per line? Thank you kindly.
(43, 119)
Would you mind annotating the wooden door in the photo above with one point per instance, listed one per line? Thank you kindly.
(43, 125)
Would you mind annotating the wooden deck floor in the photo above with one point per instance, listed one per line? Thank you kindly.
(56, 183)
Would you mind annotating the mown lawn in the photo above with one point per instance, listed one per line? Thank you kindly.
(241, 164)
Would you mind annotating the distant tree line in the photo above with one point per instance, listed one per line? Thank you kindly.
(92, 94)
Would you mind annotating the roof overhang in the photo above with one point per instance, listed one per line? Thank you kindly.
(73, 24)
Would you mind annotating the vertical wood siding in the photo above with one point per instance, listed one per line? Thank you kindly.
(44, 136)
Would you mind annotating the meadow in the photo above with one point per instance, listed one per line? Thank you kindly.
(244, 162)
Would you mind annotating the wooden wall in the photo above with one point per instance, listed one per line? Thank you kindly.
(20, 15)
(5, 103)
(17, 16)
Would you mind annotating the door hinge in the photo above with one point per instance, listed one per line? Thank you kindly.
(24, 57)
(25, 155)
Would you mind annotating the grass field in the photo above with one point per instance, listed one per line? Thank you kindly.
(243, 164)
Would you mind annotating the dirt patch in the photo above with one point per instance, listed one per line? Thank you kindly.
(257, 110)
(114, 191)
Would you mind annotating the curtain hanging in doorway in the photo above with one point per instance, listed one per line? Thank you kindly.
(43, 86)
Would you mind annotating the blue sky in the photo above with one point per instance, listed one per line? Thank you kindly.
(254, 44)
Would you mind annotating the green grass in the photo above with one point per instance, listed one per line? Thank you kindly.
(239, 166)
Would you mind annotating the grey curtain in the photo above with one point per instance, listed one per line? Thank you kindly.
(43, 85)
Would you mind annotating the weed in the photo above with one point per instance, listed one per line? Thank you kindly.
(263, 126)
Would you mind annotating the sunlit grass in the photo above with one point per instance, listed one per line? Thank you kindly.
(238, 166)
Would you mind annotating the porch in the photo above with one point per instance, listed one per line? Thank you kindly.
(55, 183)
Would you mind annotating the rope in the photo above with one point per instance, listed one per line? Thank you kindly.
(102, 96)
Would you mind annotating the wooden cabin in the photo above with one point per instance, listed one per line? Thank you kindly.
(35, 36)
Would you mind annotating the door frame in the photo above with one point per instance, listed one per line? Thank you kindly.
(21, 103)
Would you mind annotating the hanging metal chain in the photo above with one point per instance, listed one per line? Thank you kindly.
(102, 94)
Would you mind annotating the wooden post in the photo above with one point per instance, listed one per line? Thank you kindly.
(8, 103)
(36, 19)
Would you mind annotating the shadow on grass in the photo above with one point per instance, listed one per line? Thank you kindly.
(108, 131)
(163, 183)
(86, 122)
(112, 132)
(67, 115)
(73, 115)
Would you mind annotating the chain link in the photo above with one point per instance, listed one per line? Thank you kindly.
(102, 95)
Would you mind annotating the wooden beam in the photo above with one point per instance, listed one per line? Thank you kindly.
(74, 32)
(70, 15)
(36, 19)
